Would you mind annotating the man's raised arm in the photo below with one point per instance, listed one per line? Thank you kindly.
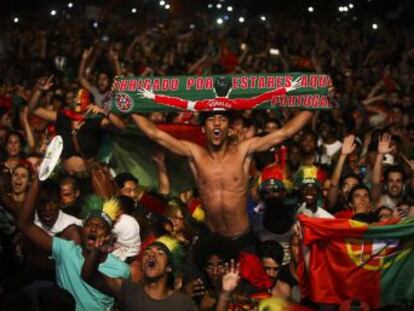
(287, 131)
(180, 147)
(25, 220)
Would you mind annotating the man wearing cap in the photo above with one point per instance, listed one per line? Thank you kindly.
(160, 264)
(221, 170)
(69, 256)
(310, 192)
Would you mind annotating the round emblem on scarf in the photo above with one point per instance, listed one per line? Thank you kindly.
(124, 102)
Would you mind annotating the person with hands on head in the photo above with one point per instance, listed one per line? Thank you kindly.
(69, 256)
(80, 122)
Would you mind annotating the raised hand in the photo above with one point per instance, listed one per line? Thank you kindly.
(44, 84)
(231, 277)
(113, 54)
(146, 93)
(158, 156)
(348, 145)
(106, 244)
(384, 145)
(409, 162)
(195, 288)
(87, 53)
(295, 84)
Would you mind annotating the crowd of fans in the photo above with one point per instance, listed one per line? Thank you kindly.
(353, 162)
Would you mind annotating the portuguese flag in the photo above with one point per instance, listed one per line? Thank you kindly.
(346, 259)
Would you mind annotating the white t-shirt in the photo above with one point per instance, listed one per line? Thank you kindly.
(128, 240)
(331, 150)
(320, 212)
(62, 222)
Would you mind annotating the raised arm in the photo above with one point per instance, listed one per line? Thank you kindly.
(180, 147)
(42, 85)
(347, 147)
(384, 147)
(109, 117)
(25, 220)
(24, 122)
(91, 275)
(158, 157)
(81, 74)
(257, 144)
(114, 57)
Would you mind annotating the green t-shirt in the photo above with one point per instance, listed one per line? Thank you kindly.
(69, 261)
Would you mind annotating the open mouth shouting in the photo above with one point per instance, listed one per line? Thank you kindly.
(91, 239)
(217, 132)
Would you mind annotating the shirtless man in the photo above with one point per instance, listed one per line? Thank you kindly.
(221, 170)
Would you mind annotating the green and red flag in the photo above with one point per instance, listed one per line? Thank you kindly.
(347, 259)
(312, 93)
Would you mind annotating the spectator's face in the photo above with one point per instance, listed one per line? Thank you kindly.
(156, 117)
(308, 144)
(270, 127)
(384, 214)
(177, 220)
(68, 194)
(395, 184)
(309, 193)
(48, 213)
(325, 130)
(34, 162)
(130, 189)
(154, 263)
(5, 120)
(70, 99)
(103, 82)
(215, 269)
(13, 146)
(294, 249)
(216, 128)
(361, 202)
(295, 156)
(94, 228)
(20, 180)
(271, 267)
(347, 185)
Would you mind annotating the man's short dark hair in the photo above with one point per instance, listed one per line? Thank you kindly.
(222, 85)
(394, 169)
(70, 180)
(122, 178)
(349, 175)
(204, 115)
(358, 187)
(271, 249)
(274, 120)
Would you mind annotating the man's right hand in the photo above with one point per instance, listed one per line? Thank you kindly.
(147, 93)
(44, 84)
(231, 277)
(384, 145)
(348, 145)
(87, 53)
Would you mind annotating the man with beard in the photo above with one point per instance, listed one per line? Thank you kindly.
(359, 199)
(222, 169)
(394, 177)
(69, 256)
(159, 264)
(271, 254)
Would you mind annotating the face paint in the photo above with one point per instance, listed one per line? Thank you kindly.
(82, 101)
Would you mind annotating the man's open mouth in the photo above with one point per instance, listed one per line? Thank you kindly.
(151, 263)
(92, 238)
(216, 132)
